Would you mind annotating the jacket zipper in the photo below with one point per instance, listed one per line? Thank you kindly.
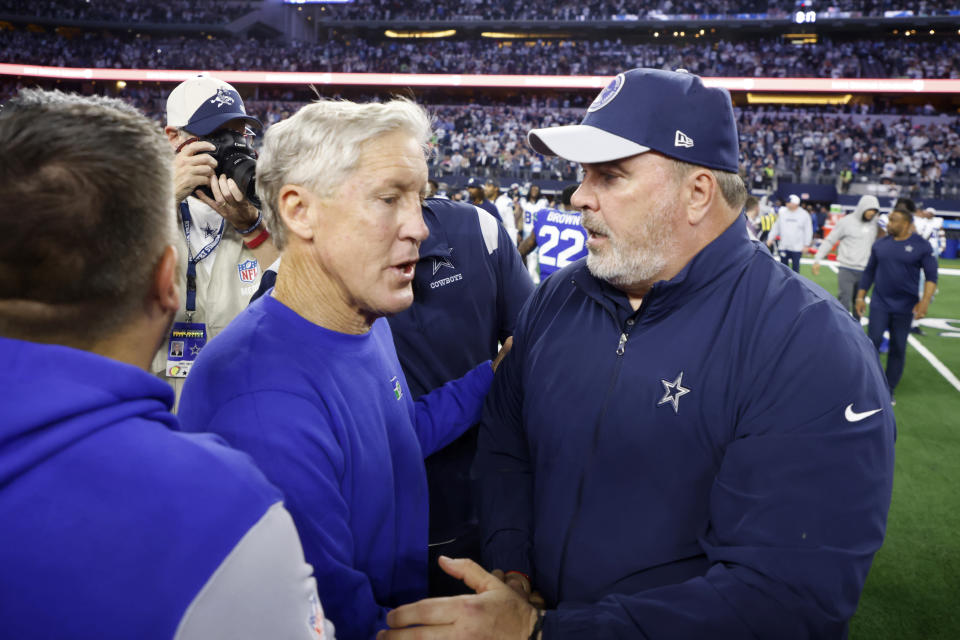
(621, 347)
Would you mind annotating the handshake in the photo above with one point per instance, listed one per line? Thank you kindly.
(504, 607)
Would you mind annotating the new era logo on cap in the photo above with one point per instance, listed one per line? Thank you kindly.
(203, 104)
(644, 109)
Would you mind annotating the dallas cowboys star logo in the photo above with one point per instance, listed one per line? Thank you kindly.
(194, 350)
(442, 262)
(208, 231)
(673, 391)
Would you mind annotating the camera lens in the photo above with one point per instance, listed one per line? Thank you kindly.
(243, 170)
(236, 160)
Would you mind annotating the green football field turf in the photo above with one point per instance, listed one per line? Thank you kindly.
(913, 590)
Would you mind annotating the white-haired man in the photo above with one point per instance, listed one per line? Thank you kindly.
(223, 242)
(307, 380)
(650, 460)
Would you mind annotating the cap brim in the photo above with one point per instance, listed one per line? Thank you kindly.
(209, 125)
(583, 143)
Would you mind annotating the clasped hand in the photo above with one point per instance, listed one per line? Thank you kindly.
(499, 611)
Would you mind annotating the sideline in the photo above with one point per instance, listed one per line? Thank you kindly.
(944, 271)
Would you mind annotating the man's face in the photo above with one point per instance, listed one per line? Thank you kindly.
(792, 206)
(367, 235)
(869, 214)
(476, 194)
(897, 224)
(631, 217)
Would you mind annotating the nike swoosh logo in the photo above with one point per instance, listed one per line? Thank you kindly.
(853, 416)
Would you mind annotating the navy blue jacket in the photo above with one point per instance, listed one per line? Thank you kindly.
(469, 287)
(894, 267)
(690, 470)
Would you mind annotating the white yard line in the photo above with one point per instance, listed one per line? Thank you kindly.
(935, 362)
(927, 354)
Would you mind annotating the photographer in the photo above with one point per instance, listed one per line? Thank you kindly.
(223, 243)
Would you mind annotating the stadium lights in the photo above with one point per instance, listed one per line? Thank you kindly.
(121, 84)
(759, 98)
(801, 38)
(526, 36)
(390, 33)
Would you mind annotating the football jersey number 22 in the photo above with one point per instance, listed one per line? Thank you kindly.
(554, 236)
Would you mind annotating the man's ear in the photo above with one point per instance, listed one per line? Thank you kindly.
(173, 135)
(700, 189)
(294, 209)
(166, 279)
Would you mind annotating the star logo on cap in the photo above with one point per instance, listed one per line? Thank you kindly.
(222, 98)
(673, 391)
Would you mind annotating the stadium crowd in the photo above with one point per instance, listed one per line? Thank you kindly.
(770, 57)
(131, 11)
(213, 12)
(607, 9)
(486, 138)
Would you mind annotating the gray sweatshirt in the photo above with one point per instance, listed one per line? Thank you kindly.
(854, 235)
(794, 228)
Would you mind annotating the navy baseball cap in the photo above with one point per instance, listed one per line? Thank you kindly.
(670, 112)
(203, 104)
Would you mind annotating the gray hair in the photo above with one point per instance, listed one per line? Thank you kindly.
(320, 145)
(88, 208)
(731, 184)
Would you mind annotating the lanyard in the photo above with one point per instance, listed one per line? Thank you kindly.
(193, 260)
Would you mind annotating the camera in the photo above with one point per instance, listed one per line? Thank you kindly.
(236, 159)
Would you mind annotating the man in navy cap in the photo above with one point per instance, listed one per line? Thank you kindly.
(223, 243)
(478, 197)
(649, 466)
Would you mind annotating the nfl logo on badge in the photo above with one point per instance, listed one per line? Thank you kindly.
(247, 270)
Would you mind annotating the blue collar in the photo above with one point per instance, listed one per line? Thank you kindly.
(436, 245)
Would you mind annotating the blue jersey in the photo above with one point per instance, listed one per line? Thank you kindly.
(560, 238)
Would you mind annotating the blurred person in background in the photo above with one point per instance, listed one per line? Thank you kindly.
(793, 232)
(893, 271)
(855, 234)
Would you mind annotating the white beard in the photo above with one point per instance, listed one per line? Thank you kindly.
(622, 262)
